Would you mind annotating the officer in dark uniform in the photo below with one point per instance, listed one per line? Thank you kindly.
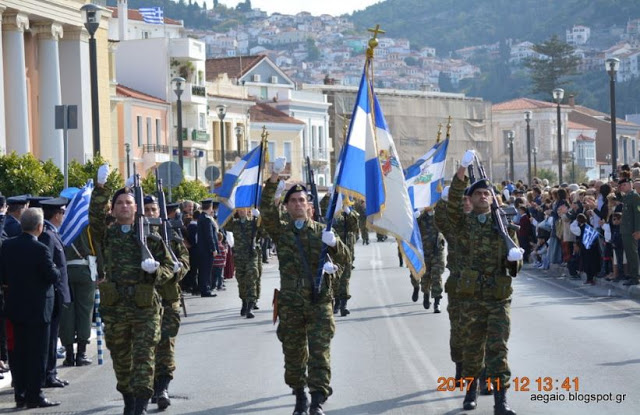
(207, 246)
(16, 205)
(53, 214)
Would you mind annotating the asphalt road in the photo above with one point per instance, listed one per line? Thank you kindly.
(388, 355)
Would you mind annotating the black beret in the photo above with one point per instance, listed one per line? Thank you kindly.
(295, 189)
(54, 203)
(479, 184)
(123, 191)
(150, 199)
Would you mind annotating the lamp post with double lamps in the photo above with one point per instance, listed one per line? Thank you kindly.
(527, 118)
(558, 94)
(222, 111)
(612, 65)
(177, 88)
(511, 135)
(535, 161)
(127, 149)
(239, 130)
(91, 16)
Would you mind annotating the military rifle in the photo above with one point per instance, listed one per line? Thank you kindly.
(472, 176)
(166, 231)
(500, 220)
(317, 215)
(143, 224)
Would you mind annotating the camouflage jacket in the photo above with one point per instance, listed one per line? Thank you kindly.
(293, 277)
(243, 235)
(432, 239)
(630, 213)
(485, 271)
(346, 225)
(121, 251)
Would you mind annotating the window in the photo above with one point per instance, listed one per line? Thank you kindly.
(158, 131)
(287, 150)
(139, 130)
(320, 137)
(264, 93)
(149, 131)
(271, 148)
(202, 121)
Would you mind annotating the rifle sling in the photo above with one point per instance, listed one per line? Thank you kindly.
(303, 258)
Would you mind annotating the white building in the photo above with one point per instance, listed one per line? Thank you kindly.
(578, 35)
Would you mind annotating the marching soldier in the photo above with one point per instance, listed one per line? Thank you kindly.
(306, 327)
(346, 225)
(433, 247)
(484, 286)
(170, 294)
(247, 258)
(362, 221)
(130, 305)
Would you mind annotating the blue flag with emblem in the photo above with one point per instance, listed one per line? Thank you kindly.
(425, 178)
(76, 217)
(241, 186)
(370, 149)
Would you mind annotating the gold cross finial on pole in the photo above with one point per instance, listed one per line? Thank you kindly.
(439, 132)
(373, 42)
(449, 127)
(265, 133)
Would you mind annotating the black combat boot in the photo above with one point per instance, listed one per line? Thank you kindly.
(69, 359)
(129, 403)
(140, 406)
(344, 311)
(81, 356)
(501, 407)
(163, 393)
(459, 380)
(243, 310)
(317, 399)
(416, 294)
(336, 305)
(255, 305)
(470, 399)
(154, 397)
(249, 309)
(484, 385)
(436, 305)
(426, 302)
(302, 402)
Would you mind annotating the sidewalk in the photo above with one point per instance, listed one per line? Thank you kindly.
(613, 288)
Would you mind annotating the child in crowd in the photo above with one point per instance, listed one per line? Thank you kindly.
(219, 262)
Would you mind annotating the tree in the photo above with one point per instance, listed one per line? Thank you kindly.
(80, 173)
(411, 61)
(549, 175)
(313, 53)
(27, 175)
(551, 70)
(444, 82)
(190, 190)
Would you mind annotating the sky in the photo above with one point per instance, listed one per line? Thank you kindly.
(315, 7)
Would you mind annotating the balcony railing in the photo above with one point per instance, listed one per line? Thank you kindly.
(319, 154)
(198, 90)
(155, 148)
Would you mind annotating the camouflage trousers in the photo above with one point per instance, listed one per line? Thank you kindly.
(247, 274)
(431, 281)
(364, 232)
(487, 326)
(131, 334)
(165, 350)
(305, 331)
(456, 334)
(342, 292)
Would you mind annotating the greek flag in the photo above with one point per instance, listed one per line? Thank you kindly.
(76, 218)
(152, 15)
(370, 150)
(589, 235)
(425, 178)
(241, 186)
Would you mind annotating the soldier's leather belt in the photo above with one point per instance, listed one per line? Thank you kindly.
(128, 290)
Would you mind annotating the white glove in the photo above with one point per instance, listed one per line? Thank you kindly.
(130, 181)
(416, 213)
(445, 193)
(330, 268)
(280, 189)
(467, 159)
(150, 265)
(279, 164)
(329, 238)
(515, 254)
(255, 212)
(103, 173)
(177, 266)
(346, 209)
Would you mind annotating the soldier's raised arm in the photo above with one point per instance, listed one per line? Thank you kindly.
(270, 212)
(98, 204)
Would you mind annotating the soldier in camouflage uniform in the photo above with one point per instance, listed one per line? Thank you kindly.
(433, 247)
(246, 258)
(362, 221)
(484, 286)
(456, 334)
(345, 225)
(130, 305)
(306, 328)
(170, 324)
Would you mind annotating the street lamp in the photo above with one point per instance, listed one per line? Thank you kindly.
(177, 84)
(612, 65)
(535, 164)
(127, 149)
(222, 111)
(573, 163)
(558, 94)
(239, 130)
(608, 158)
(511, 135)
(91, 16)
(527, 118)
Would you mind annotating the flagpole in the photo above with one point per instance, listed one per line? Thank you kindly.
(263, 143)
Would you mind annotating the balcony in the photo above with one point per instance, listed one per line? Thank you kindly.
(154, 154)
(195, 94)
(187, 48)
(155, 148)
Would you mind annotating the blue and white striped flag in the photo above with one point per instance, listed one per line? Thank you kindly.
(370, 149)
(77, 215)
(589, 235)
(152, 15)
(425, 178)
(241, 186)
